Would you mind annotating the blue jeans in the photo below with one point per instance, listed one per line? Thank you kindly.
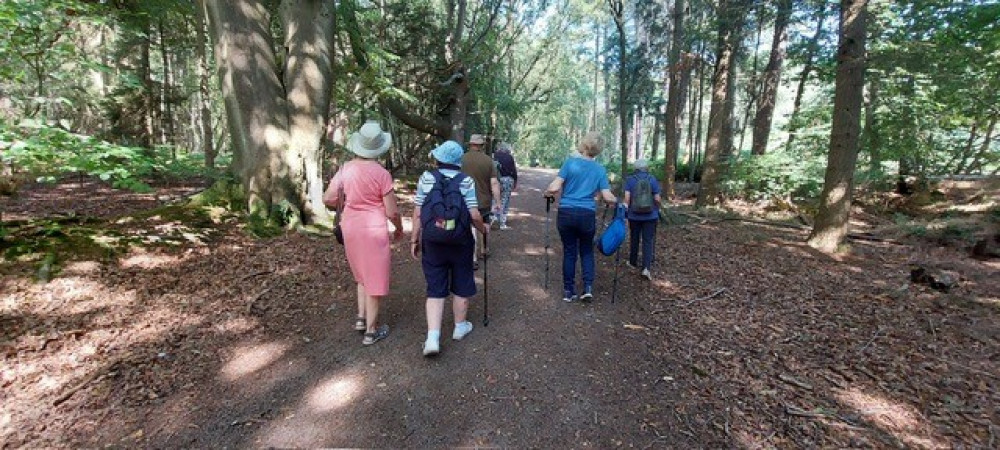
(646, 230)
(576, 230)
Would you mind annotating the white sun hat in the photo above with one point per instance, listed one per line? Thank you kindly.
(370, 141)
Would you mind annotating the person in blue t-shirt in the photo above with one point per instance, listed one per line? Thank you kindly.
(642, 226)
(580, 180)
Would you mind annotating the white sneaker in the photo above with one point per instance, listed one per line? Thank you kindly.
(504, 226)
(461, 329)
(432, 347)
(645, 273)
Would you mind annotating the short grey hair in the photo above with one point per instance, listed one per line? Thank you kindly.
(641, 164)
(592, 144)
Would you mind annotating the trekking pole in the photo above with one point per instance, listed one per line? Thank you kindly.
(548, 207)
(486, 289)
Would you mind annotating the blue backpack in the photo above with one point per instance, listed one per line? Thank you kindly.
(614, 234)
(444, 216)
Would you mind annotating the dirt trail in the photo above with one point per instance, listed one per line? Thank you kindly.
(746, 338)
(543, 373)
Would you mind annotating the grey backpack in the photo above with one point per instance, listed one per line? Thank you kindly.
(642, 201)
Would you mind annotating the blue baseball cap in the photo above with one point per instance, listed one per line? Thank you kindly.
(450, 152)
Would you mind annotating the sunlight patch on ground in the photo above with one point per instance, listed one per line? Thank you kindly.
(989, 301)
(143, 260)
(318, 415)
(899, 419)
(974, 208)
(251, 358)
(333, 393)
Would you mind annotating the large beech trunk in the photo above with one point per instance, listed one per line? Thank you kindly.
(276, 123)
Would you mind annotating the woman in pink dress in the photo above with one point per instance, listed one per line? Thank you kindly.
(369, 199)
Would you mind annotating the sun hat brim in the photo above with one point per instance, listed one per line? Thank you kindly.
(354, 145)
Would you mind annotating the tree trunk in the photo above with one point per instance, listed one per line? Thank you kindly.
(308, 75)
(657, 121)
(753, 84)
(597, 73)
(811, 49)
(167, 134)
(870, 140)
(835, 202)
(984, 149)
(618, 12)
(716, 149)
(204, 93)
(772, 77)
(147, 94)
(699, 157)
(276, 138)
(675, 103)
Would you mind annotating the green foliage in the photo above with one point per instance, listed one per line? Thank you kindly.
(49, 153)
(776, 174)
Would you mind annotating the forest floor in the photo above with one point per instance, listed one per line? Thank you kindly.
(182, 331)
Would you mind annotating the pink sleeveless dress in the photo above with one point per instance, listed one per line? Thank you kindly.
(366, 232)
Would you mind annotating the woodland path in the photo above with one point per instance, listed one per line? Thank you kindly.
(543, 373)
(746, 338)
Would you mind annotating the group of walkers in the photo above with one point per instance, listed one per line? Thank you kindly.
(456, 204)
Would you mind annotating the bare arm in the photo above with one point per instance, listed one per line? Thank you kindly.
(415, 233)
(554, 187)
(331, 198)
(392, 213)
(477, 221)
(608, 196)
(495, 187)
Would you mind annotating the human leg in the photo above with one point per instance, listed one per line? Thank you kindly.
(648, 235)
(435, 310)
(436, 273)
(361, 322)
(634, 234)
(463, 287)
(506, 187)
(588, 227)
(570, 240)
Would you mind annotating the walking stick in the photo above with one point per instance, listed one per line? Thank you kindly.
(548, 220)
(486, 289)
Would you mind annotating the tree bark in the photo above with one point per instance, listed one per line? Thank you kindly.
(204, 94)
(308, 75)
(276, 124)
(835, 201)
(870, 138)
(719, 139)
(672, 123)
(167, 134)
(618, 12)
(147, 94)
(811, 49)
(772, 77)
(657, 122)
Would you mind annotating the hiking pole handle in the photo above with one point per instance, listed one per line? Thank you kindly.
(548, 203)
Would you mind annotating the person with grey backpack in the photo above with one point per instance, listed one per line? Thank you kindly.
(642, 196)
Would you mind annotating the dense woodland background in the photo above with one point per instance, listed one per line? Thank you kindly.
(795, 103)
